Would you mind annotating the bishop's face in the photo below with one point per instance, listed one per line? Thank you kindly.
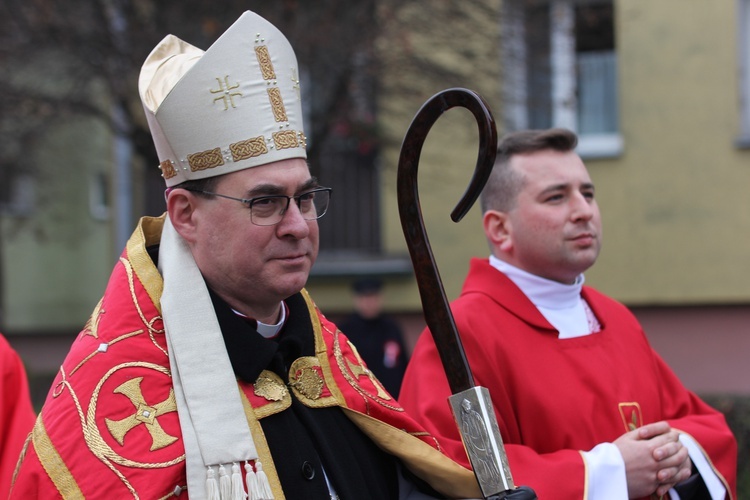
(554, 230)
(254, 267)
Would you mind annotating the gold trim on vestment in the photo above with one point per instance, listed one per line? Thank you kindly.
(270, 387)
(308, 383)
(97, 444)
(585, 475)
(261, 447)
(442, 473)
(321, 350)
(53, 463)
(147, 233)
(636, 415)
(708, 459)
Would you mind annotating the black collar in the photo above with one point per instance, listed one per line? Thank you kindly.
(250, 353)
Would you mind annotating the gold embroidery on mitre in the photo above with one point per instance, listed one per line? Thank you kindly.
(631, 415)
(205, 159)
(167, 169)
(277, 104)
(144, 414)
(286, 139)
(248, 148)
(228, 96)
(264, 59)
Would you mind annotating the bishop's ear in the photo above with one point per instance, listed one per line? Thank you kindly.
(498, 229)
(181, 206)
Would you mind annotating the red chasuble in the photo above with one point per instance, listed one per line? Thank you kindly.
(110, 428)
(555, 398)
(16, 413)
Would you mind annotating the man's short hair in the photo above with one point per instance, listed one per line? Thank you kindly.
(504, 183)
(199, 185)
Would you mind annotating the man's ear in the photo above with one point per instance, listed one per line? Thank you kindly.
(498, 229)
(181, 206)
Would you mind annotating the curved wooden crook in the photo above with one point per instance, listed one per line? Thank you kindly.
(434, 303)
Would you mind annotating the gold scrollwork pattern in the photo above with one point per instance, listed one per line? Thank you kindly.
(285, 139)
(248, 148)
(167, 169)
(92, 325)
(205, 159)
(277, 104)
(245, 149)
(91, 432)
(345, 366)
(264, 59)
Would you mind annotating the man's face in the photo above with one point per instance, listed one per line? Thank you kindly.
(254, 267)
(554, 230)
(369, 305)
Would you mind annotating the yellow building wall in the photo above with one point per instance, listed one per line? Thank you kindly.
(676, 207)
(56, 262)
(675, 204)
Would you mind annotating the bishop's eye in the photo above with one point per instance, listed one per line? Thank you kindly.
(267, 206)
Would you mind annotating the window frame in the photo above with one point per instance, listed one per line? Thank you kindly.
(563, 79)
(743, 65)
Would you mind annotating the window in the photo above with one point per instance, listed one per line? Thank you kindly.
(345, 158)
(743, 52)
(17, 194)
(99, 196)
(565, 51)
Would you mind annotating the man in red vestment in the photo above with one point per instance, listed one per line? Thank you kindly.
(586, 408)
(206, 370)
(16, 413)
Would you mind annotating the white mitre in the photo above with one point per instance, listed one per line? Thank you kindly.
(233, 107)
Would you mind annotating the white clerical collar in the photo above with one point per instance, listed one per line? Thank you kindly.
(561, 304)
(541, 291)
(264, 329)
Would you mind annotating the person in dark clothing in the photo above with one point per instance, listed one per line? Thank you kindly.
(377, 337)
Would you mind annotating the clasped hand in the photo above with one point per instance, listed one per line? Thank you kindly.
(655, 459)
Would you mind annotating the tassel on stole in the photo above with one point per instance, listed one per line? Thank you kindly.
(212, 486)
(263, 485)
(225, 484)
(231, 488)
(238, 489)
(252, 482)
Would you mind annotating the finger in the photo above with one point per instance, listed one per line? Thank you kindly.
(667, 450)
(677, 459)
(679, 477)
(670, 476)
(663, 489)
(649, 431)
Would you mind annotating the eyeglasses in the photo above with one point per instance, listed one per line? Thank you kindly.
(269, 210)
